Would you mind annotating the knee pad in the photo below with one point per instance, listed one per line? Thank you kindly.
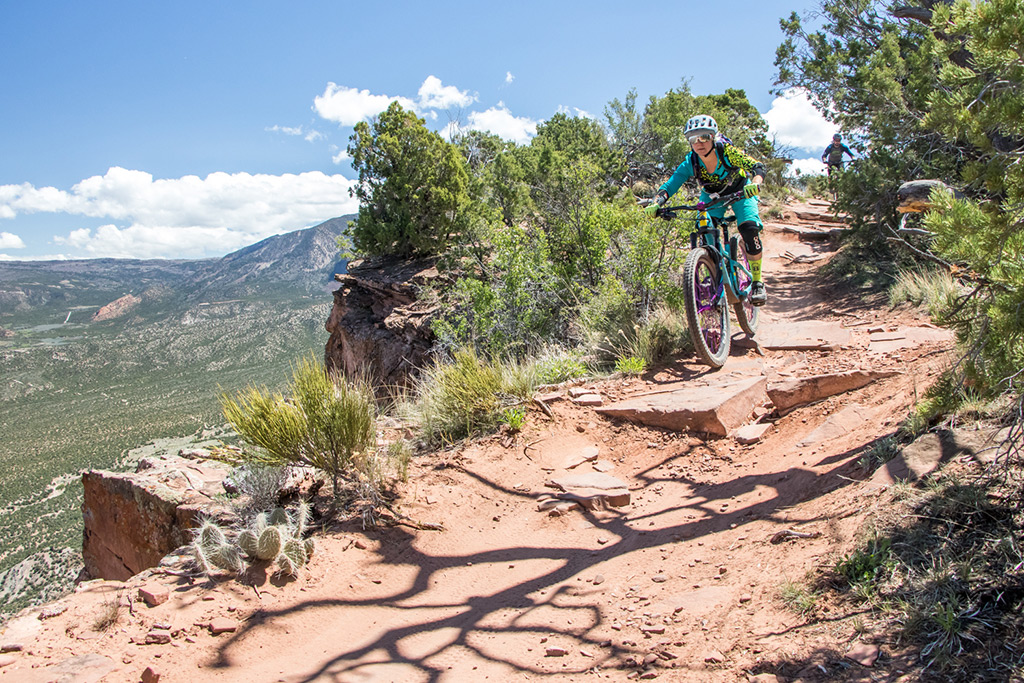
(751, 233)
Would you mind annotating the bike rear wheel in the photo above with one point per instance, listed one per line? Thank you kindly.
(747, 314)
(707, 314)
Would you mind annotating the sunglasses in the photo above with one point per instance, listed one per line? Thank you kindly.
(704, 137)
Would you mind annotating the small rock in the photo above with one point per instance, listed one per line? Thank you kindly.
(616, 626)
(556, 652)
(150, 675)
(360, 544)
(763, 678)
(12, 647)
(602, 541)
(6, 660)
(154, 594)
(746, 597)
(52, 611)
(659, 578)
(653, 629)
(864, 654)
(586, 653)
(590, 400)
(714, 657)
(158, 636)
(220, 625)
(599, 579)
(648, 675)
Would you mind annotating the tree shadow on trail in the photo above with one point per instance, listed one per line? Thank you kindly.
(488, 626)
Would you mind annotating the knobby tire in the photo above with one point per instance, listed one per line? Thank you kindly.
(747, 314)
(706, 313)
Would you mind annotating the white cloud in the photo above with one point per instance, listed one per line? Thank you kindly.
(10, 241)
(348, 106)
(434, 95)
(184, 217)
(287, 130)
(311, 135)
(812, 166)
(794, 121)
(500, 121)
(509, 77)
(574, 111)
(340, 156)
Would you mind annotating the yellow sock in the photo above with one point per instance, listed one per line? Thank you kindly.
(755, 270)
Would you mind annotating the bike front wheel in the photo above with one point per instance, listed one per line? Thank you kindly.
(707, 314)
(747, 314)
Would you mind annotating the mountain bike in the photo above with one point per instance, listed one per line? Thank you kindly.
(715, 278)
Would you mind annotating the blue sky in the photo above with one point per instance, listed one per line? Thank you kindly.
(191, 129)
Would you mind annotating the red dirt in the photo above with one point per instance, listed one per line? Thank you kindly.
(683, 584)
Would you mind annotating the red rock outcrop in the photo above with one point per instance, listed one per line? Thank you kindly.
(377, 326)
(132, 520)
(117, 308)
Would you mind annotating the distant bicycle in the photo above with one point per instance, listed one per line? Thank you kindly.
(715, 278)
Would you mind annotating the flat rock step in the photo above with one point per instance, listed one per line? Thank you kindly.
(798, 391)
(716, 408)
(798, 336)
(807, 233)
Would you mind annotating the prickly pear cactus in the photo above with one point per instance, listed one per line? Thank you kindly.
(309, 546)
(259, 523)
(285, 565)
(227, 557)
(301, 518)
(279, 517)
(248, 542)
(296, 551)
(211, 535)
(268, 545)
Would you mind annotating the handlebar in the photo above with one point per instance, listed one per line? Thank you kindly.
(725, 200)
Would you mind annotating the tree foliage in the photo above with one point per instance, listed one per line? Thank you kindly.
(413, 187)
(543, 238)
(934, 92)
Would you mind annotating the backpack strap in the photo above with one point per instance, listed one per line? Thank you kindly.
(730, 168)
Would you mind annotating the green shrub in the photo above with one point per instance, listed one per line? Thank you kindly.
(466, 396)
(630, 365)
(328, 423)
(557, 364)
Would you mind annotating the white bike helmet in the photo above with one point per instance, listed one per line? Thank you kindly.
(700, 124)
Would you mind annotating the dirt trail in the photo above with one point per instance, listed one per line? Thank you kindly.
(680, 585)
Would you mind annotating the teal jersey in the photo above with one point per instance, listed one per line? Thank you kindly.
(732, 173)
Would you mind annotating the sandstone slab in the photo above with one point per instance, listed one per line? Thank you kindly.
(908, 338)
(90, 668)
(133, 519)
(592, 489)
(920, 458)
(797, 391)
(805, 335)
(752, 433)
(154, 594)
(839, 424)
(715, 409)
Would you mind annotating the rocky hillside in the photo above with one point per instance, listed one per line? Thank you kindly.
(98, 357)
(39, 292)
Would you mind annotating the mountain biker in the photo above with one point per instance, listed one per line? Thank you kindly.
(833, 154)
(721, 168)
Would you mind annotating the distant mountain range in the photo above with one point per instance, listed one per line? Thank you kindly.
(300, 261)
(100, 356)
